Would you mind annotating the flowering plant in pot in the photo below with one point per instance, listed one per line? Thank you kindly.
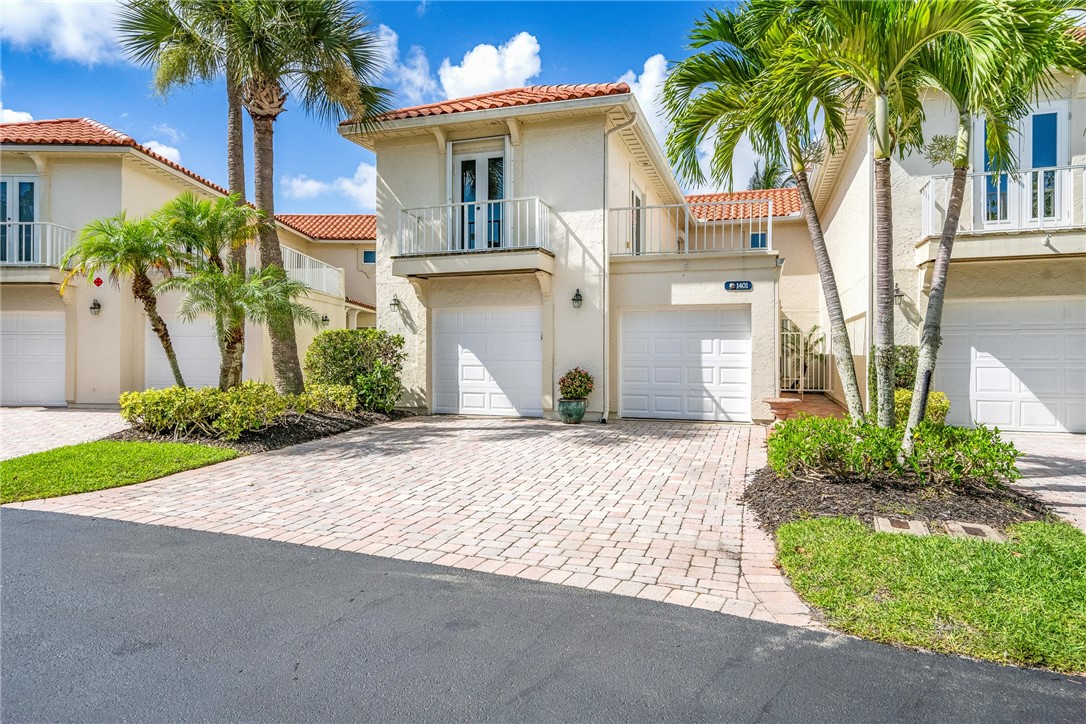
(575, 386)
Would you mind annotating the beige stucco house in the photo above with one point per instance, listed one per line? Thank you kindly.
(525, 232)
(1014, 325)
(94, 342)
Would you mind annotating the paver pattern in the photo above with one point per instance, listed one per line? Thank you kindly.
(639, 508)
(1053, 467)
(25, 430)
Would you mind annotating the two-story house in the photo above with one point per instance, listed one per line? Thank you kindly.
(524, 232)
(87, 346)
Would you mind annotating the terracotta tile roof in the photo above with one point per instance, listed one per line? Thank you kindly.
(508, 99)
(785, 203)
(357, 303)
(1078, 32)
(83, 132)
(336, 227)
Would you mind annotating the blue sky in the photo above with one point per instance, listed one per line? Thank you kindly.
(59, 59)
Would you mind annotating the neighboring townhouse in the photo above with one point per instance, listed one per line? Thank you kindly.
(524, 232)
(94, 342)
(1014, 324)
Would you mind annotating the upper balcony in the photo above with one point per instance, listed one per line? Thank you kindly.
(1008, 214)
(717, 227)
(31, 251)
(477, 237)
(314, 273)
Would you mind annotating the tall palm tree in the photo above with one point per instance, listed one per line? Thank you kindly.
(127, 249)
(263, 296)
(1039, 43)
(323, 53)
(729, 90)
(769, 173)
(873, 47)
(206, 232)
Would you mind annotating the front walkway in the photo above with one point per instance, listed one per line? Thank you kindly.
(639, 508)
(1053, 467)
(25, 430)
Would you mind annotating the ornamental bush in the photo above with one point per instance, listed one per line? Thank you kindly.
(575, 384)
(834, 449)
(938, 406)
(369, 361)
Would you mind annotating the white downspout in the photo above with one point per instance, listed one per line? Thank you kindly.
(607, 269)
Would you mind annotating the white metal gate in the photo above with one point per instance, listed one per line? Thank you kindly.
(805, 359)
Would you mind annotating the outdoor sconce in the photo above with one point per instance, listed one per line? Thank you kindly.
(577, 300)
(898, 295)
(395, 304)
(95, 308)
(325, 320)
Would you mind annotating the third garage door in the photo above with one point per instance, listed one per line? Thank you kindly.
(686, 363)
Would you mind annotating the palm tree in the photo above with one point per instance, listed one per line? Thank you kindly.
(262, 296)
(1041, 41)
(123, 249)
(729, 90)
(769, 173)
(873, 49)
(324, 53)
(204, 232)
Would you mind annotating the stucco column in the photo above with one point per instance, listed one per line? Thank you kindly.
(547, 322)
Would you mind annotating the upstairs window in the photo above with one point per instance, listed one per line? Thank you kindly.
(369, 256)
(759, 240)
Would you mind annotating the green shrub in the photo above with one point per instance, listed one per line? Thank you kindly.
(175, 411)
(575, 384)
(251, 407)
(937, 409)
(367, 360)
(327, 398)
(831, 448)
(905, 359)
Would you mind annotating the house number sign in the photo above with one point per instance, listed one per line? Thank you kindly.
(738, 286)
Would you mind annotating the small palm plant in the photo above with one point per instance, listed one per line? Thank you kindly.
(124, 249)
(264, 296)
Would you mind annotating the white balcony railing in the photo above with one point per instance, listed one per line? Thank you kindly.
(1029, 200)
(476, 227)
(34, 243)
(724, 226)
(314, 273)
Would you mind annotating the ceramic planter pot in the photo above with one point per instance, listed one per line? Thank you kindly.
(572, 411)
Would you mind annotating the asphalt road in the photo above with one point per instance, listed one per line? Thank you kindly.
(104, 620)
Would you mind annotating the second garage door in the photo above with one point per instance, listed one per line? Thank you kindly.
(488, 361)
(197, 354)
(686, 363)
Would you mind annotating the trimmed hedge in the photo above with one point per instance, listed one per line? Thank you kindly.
(937, 410)
(369, 361)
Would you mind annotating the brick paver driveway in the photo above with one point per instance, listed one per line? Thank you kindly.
(648, 509)
(26, 430)
(1053, 467)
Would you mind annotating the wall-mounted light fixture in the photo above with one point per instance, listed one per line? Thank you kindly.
(395, 304)
(95, 308)
(898, 295)
(577, 300)
(325, 320)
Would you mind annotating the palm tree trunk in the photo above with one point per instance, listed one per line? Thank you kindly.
(288, 369)
(931, 335)
(143, 290)
(235, 154)
(840, 345)
(884, 294)
(232, 356)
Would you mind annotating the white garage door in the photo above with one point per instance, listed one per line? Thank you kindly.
(1019, 364)
(197, 354)
(32, 358)
(489, 361)
(686, 363)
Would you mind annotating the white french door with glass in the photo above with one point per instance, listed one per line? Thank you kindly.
(1040, 195)
(479, 181)
(18, 212)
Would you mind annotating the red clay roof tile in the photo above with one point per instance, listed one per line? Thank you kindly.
(508, 98)
(336, 227)
(785, 203)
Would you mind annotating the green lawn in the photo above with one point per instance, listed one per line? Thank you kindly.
(1021, 602)
(99, 465)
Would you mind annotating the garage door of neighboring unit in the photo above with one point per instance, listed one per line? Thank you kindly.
(197, 354)
(32, 358)
(1018, 364)
(686, 363)
(488, 361)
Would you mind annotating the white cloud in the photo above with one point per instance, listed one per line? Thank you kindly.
(647, 88)
(486, 68)
(169, 132)
(69, 30)
(9, 116)
(422, 7)
(411, 77)
(360, 189)
(162, 149)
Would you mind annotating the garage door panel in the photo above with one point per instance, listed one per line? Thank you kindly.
(1075, 346)
(197, 350)
(988, 346)
(1039, 346)
(32, 358)
(1038, 414)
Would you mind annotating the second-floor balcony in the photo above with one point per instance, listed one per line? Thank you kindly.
(34, 243)
(718, 227)
(314, 273)
(477, 237)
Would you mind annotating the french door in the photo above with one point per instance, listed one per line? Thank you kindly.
(18, 212)
(480, 191)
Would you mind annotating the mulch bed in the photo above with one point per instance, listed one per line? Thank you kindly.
(778, 501)
(304, 428)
